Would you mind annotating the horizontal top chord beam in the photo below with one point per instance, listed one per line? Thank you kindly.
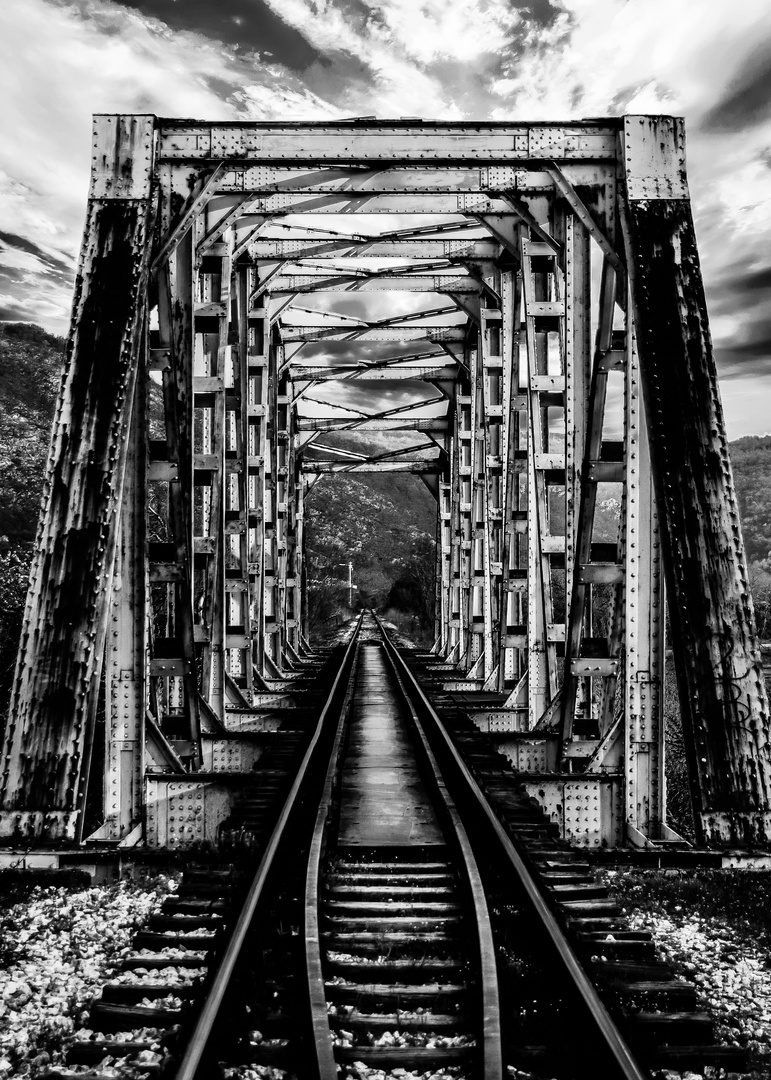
(421, 143)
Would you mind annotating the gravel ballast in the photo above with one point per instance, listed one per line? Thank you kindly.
(58, 947)
(713, 927)
(60, 943)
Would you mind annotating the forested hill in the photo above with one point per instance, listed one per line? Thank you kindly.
(751, 460)
(30, 371)
(384, 524)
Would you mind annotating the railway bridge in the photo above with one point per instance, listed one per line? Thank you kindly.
(527, 299)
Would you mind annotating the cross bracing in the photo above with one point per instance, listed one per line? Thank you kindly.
(527, 299)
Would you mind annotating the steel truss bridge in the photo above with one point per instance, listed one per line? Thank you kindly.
(527, 299)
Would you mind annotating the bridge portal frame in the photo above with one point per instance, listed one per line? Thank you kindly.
(181, 379)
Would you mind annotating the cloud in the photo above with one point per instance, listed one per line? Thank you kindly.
(245, 25)
(747, 97)
(316, 59)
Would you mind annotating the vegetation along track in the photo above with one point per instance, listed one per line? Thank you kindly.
(397, 903)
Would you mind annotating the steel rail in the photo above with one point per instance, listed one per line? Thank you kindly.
(492, 1048)
(323, 1052)
(189, 1067)
(625, 1066)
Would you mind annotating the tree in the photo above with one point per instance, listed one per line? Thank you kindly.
(30, 371)
(413, 591)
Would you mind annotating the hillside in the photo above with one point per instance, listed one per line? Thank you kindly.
(751, 460)
(30, 371)
(384, 526)
(30, 366)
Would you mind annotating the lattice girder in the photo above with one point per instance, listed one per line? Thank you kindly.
(262, 277)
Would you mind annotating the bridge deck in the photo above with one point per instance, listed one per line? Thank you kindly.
(384, 802)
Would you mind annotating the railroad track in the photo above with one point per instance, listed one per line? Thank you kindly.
(397, 902)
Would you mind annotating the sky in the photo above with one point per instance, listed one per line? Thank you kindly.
(519, 60)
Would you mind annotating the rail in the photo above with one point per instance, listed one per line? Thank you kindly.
(326, 1067)
(619, 1057)
(323, 1054)
(492, 1049)
(190, 1067)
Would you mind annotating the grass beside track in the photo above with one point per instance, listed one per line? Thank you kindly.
(740, 899)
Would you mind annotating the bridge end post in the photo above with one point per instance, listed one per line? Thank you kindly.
(47, 742)
(722, 693)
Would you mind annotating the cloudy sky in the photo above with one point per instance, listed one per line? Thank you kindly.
(708, 60)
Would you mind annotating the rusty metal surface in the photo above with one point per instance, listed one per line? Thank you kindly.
(722, 693)
(214, 596)
(65, 619)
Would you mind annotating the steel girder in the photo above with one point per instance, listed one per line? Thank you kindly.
(570, 480)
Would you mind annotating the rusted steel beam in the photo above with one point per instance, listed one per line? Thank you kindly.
(378, 423)
(326, 466)
(371, 372)
(722, 693)
(426, 143)
(287, 180)
(65, 623)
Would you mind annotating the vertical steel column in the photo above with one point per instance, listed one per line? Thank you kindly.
(173, 669)
(516, 552)
(66, 618)
(643, 676)
(466, 433)
(125, 674)
(271, 573)
(240, 466)
(544, 311)
(296, 557)
(443, 582)
(578, 374)
(257, 410)
(722, 693)
(495, 433)
(288, 477)
(455, 459)
(212, 361)
(478, 593)
(590, 660)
